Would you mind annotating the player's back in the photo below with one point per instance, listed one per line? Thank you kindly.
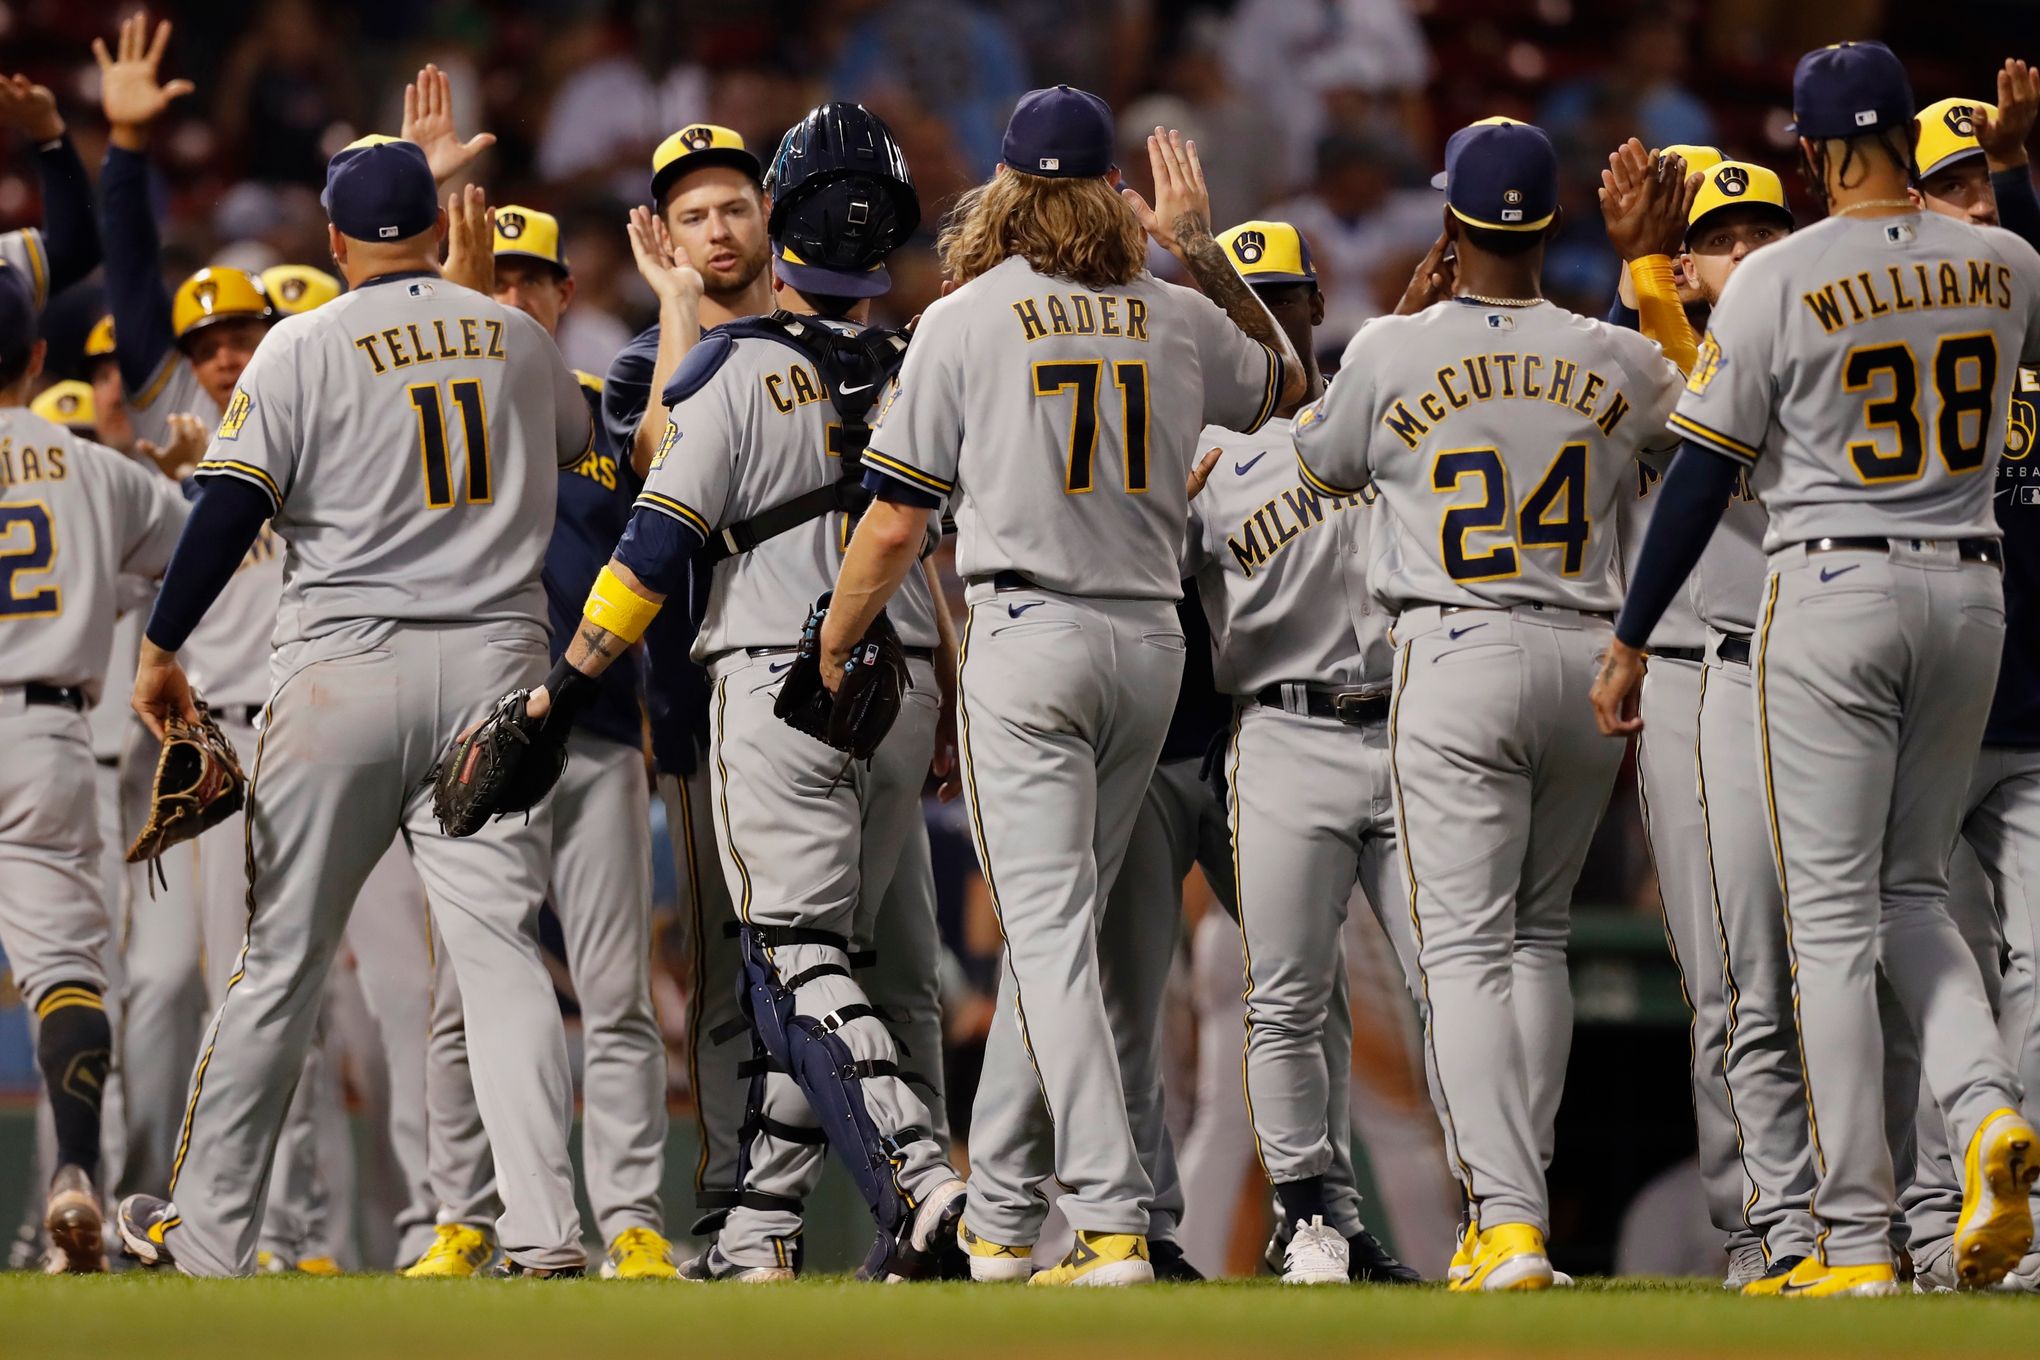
(74, 516)
(1501, 440)
(410, 433)
(1864, 368)
(1079, 411)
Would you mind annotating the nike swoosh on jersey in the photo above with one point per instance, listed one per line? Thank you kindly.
(1827, 575)
(853, 391)
(1016, 610)
(778, 667)
(1242, 469)
(1458, 633)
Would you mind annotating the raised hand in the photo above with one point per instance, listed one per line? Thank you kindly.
(428, 121)
(177, 456)
(1182, 206)
(2003, 138)
(471, 240)
(30, 108)
(1434, 279)
(1644, 201)
(671, 277)
(129, 91)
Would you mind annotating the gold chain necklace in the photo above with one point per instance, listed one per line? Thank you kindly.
(1499, 302)
(1870, 203)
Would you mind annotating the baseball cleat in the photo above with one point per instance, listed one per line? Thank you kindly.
(994, 1262)
(1511, 1256)
(1315, 1255)
(269, 1263)
(1099, 1258)
(1373, 1263)
(931, 1250)
(457, 1252)
(1810, 1279)
(318, 1265)
(145, 1223)
(511, 1269)
(712, 1266)
(1463, 1254)
(1171, 1265)
(1746, 1264)
(1774, 1277)
(1996, 1226)
(640, 1254)
(75, 1223)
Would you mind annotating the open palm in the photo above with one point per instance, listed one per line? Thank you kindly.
(128, 89)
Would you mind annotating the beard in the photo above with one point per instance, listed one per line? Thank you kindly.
(750, 264)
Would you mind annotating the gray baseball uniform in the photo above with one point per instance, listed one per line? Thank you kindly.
(810, 843)
(1282, 571)
(1070, 511)
(411, 600)
(1500, 439)
(1862, 369)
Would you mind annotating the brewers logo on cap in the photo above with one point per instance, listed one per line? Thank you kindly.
(509, 225)
(296, 288)
(206, 293)
(1269, 253)
(697, 138)
(1732, 180)
(68, 404)
(1947, 134)
(1961, 119)
(213, 295)
(1738, 184)
(529, 234)
(696, 146)
(1249, 246)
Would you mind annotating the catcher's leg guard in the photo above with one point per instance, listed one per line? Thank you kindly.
(831, 1056)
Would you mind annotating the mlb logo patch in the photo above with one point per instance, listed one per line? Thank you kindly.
(1899, 233)
(387, 233)
(421, 289)
(1500, 321)
(1051, 163)
(1866, 118)
(2029, 495)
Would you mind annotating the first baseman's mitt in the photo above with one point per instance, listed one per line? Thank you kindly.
(857, 716)
(198, 785)
(506, 764)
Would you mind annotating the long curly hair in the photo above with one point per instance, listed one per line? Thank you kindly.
(1077, 229)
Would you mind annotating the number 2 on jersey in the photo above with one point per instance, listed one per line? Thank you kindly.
(1553, 516)
(1086, 376)
(28, 547)
(433, 449)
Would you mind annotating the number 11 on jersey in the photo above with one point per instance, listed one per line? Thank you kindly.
(433, 450)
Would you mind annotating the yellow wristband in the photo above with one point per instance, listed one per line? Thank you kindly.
(1661, 316)
(615, 608)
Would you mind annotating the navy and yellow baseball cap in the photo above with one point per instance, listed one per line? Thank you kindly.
(1497, 120)
(1060, 132)
(695, 147)
(1851, 89)
(1269, 253)
(1738, 184)
(295, 288)
(1948, 134)
(213, 295)
(528, 234)
(380, 189)
(1698, 158)
(1501, 175)
(68, 404)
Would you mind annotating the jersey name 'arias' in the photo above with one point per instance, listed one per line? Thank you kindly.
(27, 463)
(403, 346)
(1909, 288)
(1266, 532)
(1506, 377)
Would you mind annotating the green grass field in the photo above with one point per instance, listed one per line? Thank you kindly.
(162, 1316)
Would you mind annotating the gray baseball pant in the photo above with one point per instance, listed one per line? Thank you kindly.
(1873, 680)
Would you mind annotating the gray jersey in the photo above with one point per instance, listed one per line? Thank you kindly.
(1680, 626)
(23, 249)
(172, 389)
(1863, 368)
(407, 436)
(227, 654)
(1282, 571)
(1500, 439)
(758, 431)
(1727, 588)
(74, 516)
(1066, 421)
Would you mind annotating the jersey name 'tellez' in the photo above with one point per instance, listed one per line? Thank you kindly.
(1500, 439)
(1281, 569)
(758, 431)
(408, 435)
(74, 517)
(1066, 422)
(1863, 368)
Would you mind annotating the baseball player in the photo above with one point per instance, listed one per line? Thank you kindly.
(73, 516)
(1497, 428)
(1970, 164)
(65, 248)
(109, 399)
(1862, 414)
(763, 419)
(601, 867)
(1071, 492)
(410, 592)
(1307, 783)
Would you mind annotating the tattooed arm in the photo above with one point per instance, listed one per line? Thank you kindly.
(620, 598)
(1180, 222)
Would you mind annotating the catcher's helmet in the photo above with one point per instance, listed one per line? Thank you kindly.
(842, 200)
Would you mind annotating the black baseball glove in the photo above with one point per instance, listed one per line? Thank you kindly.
(505, 764)
(857, 716)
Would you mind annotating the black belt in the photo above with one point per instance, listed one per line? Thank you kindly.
(245, 714)
(1527, 604)
(1004, 580)
(1355, 707)
(1987, 550)
(1694, 654)
(60, 696)
(915, 653)
(1734, 650)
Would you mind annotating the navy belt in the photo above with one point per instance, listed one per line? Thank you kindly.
(58, 696)
(1987, 550)
(1734, 650)
(1695, 654)
(1356, 707)
(1005, 580)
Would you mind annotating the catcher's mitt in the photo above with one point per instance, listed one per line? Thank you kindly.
(506, 764)
(857, 716)
(198, 785)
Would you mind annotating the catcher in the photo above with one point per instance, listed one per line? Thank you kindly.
(757, 478)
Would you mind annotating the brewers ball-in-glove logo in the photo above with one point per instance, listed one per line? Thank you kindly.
(206, 294)
(697, 138)
(68, 404)
(237, 414)
(1732, 181)
(2023, 419)
(509, 225)
(1705, 365)
(292, 290)
(1961, 120)
(1250, 246)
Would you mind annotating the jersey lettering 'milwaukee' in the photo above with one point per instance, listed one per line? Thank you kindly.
(1066, 421)
(408, 435)
(74, 517)
(1500, 439)
(757, 432)
(1863, 369)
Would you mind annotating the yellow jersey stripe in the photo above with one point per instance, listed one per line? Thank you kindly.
(1320, 483)
(143, 399)
(1271, 394)
(246, 470)
(686, 514)
(31, 244)
(927, 481)
(1714, 439)
(68, 996)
